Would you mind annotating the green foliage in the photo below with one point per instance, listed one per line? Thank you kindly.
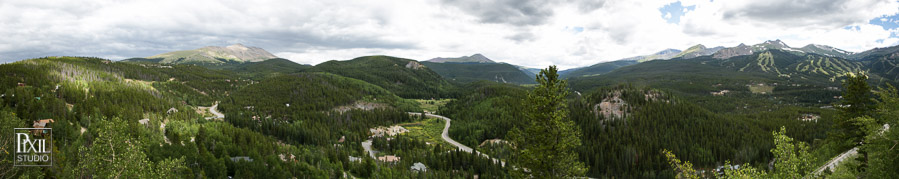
(471, 72)
(546, 146)
(683, 169)
(261, 70)
(791, 160)
(598, 69)
(392, 73)
(115, 154)
(311, 92)
(857, 101)
(881, 143)
(487, 110)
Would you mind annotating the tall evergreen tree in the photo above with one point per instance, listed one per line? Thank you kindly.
(545, 147)
(857, 105)
(857, 101)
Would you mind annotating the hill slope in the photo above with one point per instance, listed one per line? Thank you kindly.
(264, 69)
(881, 61)
(470, 72)
(598, 69)
(605, 67)
(404, 77)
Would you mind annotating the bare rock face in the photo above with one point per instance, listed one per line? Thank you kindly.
(611, 107)
(414, 65)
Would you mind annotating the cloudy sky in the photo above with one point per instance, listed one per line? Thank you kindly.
(534, 33)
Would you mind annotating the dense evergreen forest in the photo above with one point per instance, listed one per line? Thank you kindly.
(471, 72)
(407, 78)
(655, 119)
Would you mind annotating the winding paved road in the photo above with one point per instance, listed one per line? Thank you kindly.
(367, 143)
(445, 134)
(843, 156)
(446, 137)
(215, 112)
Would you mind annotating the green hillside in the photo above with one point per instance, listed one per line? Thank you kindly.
(97, 104)
(881, 61)
(790, 65)
(598, 69)
(697, 79)
(404, 77)
(263, 69)
(309, 104)
(626, 146)
(470, 72)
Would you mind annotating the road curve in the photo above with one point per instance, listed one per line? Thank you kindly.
(837, 160)
(445, 134)
(215, 112)
(446, 137)
(843, 156)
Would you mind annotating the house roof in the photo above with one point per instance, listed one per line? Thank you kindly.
(42, 123)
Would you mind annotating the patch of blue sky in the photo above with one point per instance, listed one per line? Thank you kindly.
(674, 11)
(575, 29)
(887, 22)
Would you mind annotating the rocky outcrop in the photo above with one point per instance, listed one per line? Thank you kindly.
(414, 65)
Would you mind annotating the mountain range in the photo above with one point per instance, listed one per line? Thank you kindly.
(715, 52)
(283, 119)
(466, 69)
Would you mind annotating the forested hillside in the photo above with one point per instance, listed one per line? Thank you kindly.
(283, 119)
(97, 105)
(598, 69)
(487, 110)
(470, 72)
(622, 137)
(406, 78)
(315, 108)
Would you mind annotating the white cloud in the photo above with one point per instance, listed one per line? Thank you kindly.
(532, 33)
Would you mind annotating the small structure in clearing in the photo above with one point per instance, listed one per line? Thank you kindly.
(809, 117)
(389, 158)
(419, 167)
(389, 131)
(720, 93)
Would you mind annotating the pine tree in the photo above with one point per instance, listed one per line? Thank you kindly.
(545, 147)
(857, 101)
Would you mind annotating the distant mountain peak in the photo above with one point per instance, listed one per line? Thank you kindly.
(668, 51)
(663, 55)
(696, 47)
(826, 50)
(476, 58)
(697, 50)
(777, 44)
(216, 54)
